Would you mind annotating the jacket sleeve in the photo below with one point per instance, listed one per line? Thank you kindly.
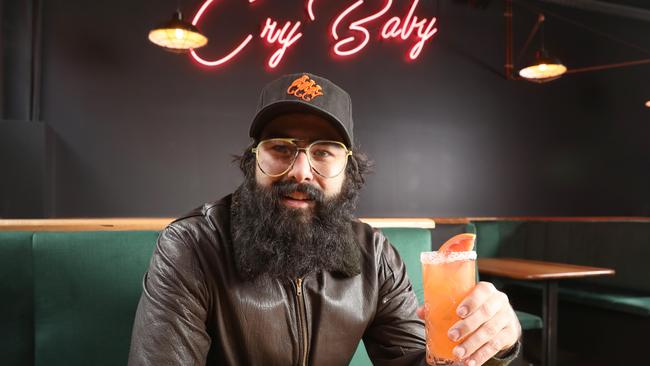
(396, 334)
(169, 326)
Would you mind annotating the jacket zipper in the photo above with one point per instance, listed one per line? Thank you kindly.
(301, 319)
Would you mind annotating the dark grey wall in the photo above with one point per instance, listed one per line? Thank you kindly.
(136, 131)
(15, 45)
(22, 158)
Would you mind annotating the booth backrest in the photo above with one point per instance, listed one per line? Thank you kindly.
(410, 242)
(16, 299)
(69, 298)
(623, 246)
(87, 286)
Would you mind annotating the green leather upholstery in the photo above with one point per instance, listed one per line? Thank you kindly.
(69, 298)
(87, 287)
(599, 318)
(630, 302)
(624, 246)
(638, 304)
(529, 321)
(410, 243)
(16, 292)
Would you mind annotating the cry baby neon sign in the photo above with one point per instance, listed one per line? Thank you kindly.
(285, 36)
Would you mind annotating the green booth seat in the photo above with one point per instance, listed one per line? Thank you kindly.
(87, 287)
(410, 243)
(16, 307)
(529, 321)
(623, 246)
(70, 297)
(624, 301)
(599, 318)
(637, 304)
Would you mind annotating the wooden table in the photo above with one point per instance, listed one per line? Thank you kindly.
(549, 273)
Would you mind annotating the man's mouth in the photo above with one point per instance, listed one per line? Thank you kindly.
(298, 200)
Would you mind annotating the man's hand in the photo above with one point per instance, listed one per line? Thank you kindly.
(488, 325)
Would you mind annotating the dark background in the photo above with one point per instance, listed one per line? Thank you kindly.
(97, 121)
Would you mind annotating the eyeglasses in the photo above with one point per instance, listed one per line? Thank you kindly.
(277, 156)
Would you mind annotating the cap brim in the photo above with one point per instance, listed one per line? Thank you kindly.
(273, 110)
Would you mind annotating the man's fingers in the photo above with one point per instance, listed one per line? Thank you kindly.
(482, 314)
(479, 295)
(491, 332)
(488, 325)
(493, 346)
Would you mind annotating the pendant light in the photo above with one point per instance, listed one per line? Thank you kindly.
(177, 35)
(544, 67)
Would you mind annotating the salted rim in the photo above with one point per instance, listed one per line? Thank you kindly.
(446, 257)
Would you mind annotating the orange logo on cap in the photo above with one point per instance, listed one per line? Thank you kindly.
(305, 88)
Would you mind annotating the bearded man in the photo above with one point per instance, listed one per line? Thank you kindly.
(281, 273)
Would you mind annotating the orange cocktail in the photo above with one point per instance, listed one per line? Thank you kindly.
(448, 278)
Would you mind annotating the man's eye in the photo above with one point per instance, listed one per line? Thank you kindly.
(321, 153)
(281, 149)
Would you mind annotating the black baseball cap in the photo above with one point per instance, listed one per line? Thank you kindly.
(309, 93)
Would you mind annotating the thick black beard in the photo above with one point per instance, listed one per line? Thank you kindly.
(276, 241)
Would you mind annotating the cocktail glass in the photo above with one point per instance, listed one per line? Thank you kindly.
(448, 277)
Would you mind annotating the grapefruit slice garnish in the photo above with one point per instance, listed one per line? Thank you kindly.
(459, 243)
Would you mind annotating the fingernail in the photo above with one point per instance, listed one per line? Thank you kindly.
(471, 363)
(459, 351)
(454, 334)
(462, 311)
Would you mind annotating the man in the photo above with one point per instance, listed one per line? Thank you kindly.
(280, 272)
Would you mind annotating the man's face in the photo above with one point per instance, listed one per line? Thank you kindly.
(307, 128)
(299, 222)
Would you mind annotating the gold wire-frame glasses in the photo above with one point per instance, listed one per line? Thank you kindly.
(326, 158)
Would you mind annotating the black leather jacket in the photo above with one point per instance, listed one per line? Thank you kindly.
(195, 310)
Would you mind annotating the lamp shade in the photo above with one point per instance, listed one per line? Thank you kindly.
(177, 35)
(543, 68)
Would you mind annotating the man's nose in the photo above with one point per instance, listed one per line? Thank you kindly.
(301, 170)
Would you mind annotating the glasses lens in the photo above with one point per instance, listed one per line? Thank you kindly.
(328, 158)
(275, 156)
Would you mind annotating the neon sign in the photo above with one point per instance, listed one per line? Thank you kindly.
(409, 27)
